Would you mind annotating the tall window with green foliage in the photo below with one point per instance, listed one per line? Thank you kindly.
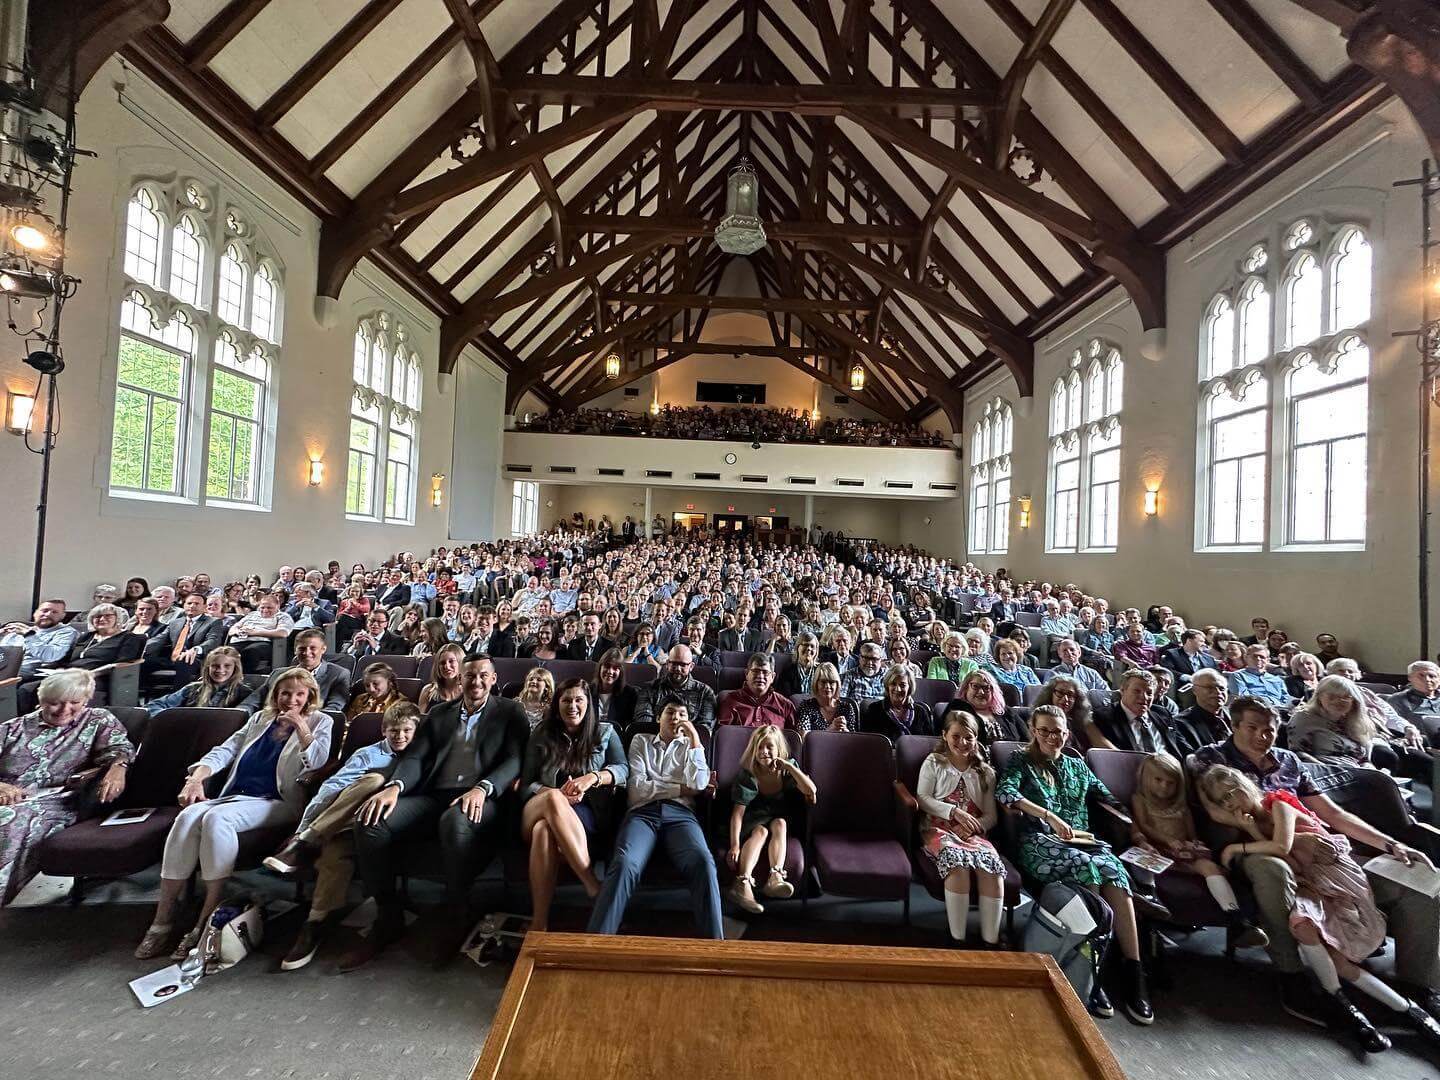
(384, 419)
(199, 340)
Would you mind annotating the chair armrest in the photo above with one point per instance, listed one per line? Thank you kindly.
(906, 806)
(125, 682)
(1119, 816)
(1114, 825)
(908, 800)
(8, 699)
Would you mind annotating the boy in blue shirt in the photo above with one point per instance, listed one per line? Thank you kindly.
(324, 836)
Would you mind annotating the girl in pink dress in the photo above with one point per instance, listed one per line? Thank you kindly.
(956, 790)
(1335, 922)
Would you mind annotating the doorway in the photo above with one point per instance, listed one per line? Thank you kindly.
(734, 524)
(685, 521)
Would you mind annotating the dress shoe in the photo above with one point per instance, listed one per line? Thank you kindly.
(295, 856)
(384, 932)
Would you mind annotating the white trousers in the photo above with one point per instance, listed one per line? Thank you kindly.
(207, 834)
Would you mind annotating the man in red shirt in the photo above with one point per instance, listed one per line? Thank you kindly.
(756, 703)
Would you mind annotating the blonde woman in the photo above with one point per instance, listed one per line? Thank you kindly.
(536, 694)
(290, 736)
(764, 793)
(1333, 725)
(956, 790)
(444, 684)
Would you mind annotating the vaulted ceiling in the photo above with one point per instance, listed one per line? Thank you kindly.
(942, 180)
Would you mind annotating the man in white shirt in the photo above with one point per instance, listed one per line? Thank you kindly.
(1068, 652)
(164, 597)
(667, 772)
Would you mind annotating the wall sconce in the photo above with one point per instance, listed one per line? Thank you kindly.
(814, 416)
(317, 472)
(437, 489)
(1024, 511)
(654, 408)
(1152, 501)
(19, 412)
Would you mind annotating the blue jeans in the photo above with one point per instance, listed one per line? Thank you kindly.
(674, 825)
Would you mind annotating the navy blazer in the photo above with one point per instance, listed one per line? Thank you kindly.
(207, 633)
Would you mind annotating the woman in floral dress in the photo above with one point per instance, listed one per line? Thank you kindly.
(956, 790)
(1050, 788)
(45, 757)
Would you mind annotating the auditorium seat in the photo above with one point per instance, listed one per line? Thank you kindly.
(1032, 693)
(570, 669)
(856, 828)
(936, 693)
(11, 656)
(728, 746)
(175, 740)
(410, 688)
(1027, 619)
(639, 674)
(910, 753)
(729, 679)
(510, 669)
(405, 667)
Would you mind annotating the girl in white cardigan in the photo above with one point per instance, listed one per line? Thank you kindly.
(956, 791)
(290, 736)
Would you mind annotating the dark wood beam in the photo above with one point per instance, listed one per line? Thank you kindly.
(1399, 41)
(801, 100)
(73, 39)
(222, 29)
(1181, 94)
(745, 348)
(1012, 87)
(344, 42)
(1079, 88)
(1266, 43)
(638, 225)
(738, 303)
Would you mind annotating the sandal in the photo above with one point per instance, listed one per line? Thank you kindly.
(155, 941)
(187, 943)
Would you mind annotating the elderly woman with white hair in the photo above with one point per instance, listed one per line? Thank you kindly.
(104, 642)
(954, 662)
(53, 762)
(1399, 744)
(1333, 726)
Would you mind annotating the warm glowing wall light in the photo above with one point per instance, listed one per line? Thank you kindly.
(19, 411)
(317, 472)
(1024, 511)
(437, 488)
(1152, 501)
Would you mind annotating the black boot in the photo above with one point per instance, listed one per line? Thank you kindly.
(1347, 1015)
(1136, 999)
(1424, 1023)
(1100, 1002)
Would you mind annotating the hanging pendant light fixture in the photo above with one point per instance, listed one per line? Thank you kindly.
(857, 377)
(740, 231)
(612, 366)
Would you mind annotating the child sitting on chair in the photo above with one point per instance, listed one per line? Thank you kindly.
(324, 828)
(763, 794)
(1163, 821)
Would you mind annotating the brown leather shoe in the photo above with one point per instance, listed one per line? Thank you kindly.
(386, 930)
(295, 856)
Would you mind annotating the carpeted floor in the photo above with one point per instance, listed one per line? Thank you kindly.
(65, 1006)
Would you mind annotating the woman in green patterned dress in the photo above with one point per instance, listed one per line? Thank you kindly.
(1049, 789)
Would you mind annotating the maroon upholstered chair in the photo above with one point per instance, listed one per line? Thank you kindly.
(937, 693)
(570, 669)
(174, 740)
(733, 658)
(1184, 894)
(639, 674)
(510, 669)
(857, 826)
(729, 679)
(910, 753)
(729, 744)
(406, 667)
(709, 676)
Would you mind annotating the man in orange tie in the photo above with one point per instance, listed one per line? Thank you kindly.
(183, 645)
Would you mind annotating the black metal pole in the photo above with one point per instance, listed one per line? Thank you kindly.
(1430, 280)
(42, 508)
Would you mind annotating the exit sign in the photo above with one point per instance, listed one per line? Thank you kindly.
(729, 509)
(689, 506)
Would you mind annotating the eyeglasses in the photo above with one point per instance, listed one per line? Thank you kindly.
(1048, 733)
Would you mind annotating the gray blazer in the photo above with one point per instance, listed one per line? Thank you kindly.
(334, 683)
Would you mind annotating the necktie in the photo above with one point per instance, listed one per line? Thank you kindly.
(180, 641)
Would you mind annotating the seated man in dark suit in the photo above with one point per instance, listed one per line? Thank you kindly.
(307, 609)
(376, 639)
(182, 646)
(1189, 657)
(334, 680)
(394, 593)
(1133, 722)
(449, 781)
(1208, 718)
(589, 645)
(1004, 609)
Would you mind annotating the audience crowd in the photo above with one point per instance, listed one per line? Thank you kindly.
(1254, 747)
(742, 424)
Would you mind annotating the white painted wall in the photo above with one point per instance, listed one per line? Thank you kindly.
(94, 537)
(1366, 597)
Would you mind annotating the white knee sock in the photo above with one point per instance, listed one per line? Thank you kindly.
(1386, 995)
(1317, 959)
(1222, 892)
(991, 908)
(957, 911)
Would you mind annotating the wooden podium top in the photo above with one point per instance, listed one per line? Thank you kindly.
(580, 1005)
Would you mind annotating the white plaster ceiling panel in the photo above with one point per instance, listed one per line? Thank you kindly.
(435, 227)
(986, 236)
(1040, 240)
(188, 16)
(277, 43)
(349, 88)
(1313, 39)
(440, 88)
(480, 233)
(987, 281)
(497, 254)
